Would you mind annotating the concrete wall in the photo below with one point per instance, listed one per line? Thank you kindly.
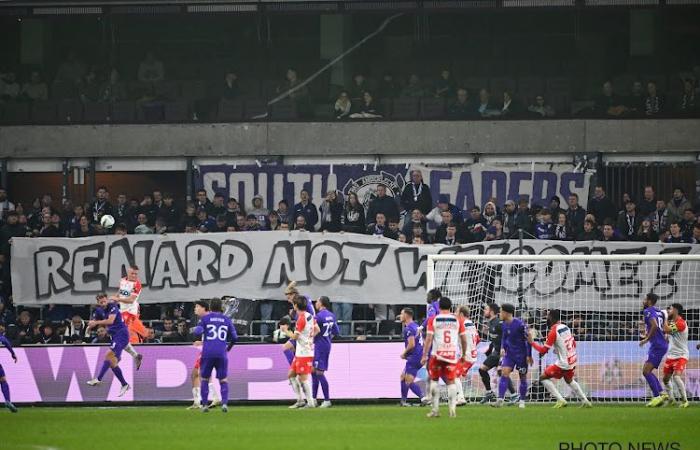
(352, 138)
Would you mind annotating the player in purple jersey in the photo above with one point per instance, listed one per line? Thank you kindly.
(4, 342)
(218, 336)
(516, 353)
(120, 339)
(328, 327)
(413, 350)
(433, 299)
(654, 335)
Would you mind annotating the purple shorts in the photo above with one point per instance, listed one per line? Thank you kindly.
(119, 342)
(220, 363)
(2, 371)
(519, 364)
(655, 356)
(321, 360)
(412, 368)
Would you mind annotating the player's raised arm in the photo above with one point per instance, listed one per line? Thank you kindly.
(543, 349)
(199, 329)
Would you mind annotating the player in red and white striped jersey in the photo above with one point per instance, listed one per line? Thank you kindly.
(678, 354)
(470, 354)
(447, 337)
(562, 341)
(304, 331)
(128, 298)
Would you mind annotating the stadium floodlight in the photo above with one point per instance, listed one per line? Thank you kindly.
(600, 299)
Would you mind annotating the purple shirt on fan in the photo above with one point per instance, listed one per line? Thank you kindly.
(217, 331)
(329, 328)
(412, 330)
(118, 324)
(657, 341)
(6, 343)
(515, 340)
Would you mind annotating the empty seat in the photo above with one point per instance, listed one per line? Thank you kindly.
(96, 112)
(194, 90)
(123, 112)
(44, 112)
(138, 89)
(432, 108)
(230, 110)
(70, 111)
(15, 112)
(177, 111)
(167, 90)
(404, 109)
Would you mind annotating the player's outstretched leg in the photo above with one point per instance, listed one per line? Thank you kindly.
(138, 358)
(659, 397)
(5, 388)
(680, 386)
(579, 393)
(547, 383)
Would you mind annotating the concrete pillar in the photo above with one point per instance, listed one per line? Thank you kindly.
(335, 39)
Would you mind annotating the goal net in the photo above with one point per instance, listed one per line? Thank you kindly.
(600, 299)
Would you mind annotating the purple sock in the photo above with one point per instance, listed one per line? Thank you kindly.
(289, 354)
(224, 392)
(5, 390)
(653, 383)
(204, 391)
(404, 391)
(120, 376)
(324, 386)
(523, 387)
(103, 370)
(502, 386)
(416, 389)
(314, 384)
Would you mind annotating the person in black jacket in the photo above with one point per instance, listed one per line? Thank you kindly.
(416, 194)
(331, 212)
(169, 213)
(382, 204)
(589, 233)
(575, 215)
(353, 219)
(628, 222)
(601, 206)
(647, 205)
(307, 209)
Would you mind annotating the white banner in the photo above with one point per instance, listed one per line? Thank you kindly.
(344, 266)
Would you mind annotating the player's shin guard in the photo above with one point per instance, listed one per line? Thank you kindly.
(404, 391)
(314, 384)
(103, 370)
(131, 350)
(452, 396)
(196, 396)
(503, 386)
(212, 392)
(435, 395)
(523, 387)
(579, 391)
(5, 388)
(120, 376)
(416, 389)
(308, 392)
(486, 379)
(669, 389)
(296, 387)
(204, 389)
(552, 389)
(460, 391)
(323, 381)
(224, 392)
(680, 384)
(653, 383)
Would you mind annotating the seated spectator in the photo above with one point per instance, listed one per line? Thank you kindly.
(435, 215)
(402, 238)
(419, 235)
(101, 336)
(495, 231)
(182, 333)
(646, 232)
(353, 219)
(306, 208)
(446, 218)
(343, 105)
(71, 70)
(84, 229)
(635, 102)
(48, 336)
(388, 87)
(301, 224)
(510, 107)
(609, 234)
(544, 229)
(610, 104)
(331, 212)
(394, 230)
(445, 85)
(484, 107)
(358, 87)
(660, 218)
(367, 109)
(151, 338)
(688, 222)
(461, 108)
(89, 87)
(653, 103)
(23, 329)
(10, 87)
(695, 238)
(590, 232)
(475, 225)
(676, 236)
(678, 204)
(76, 329)
(220, 227)
(450, 236)
(114, 89)
(417, 220)
(143, 227)
(541, 108)
(35, 88)
(284, 226)
(241, 221)
(150, 70)
(48, 229)
(259, 211)
(273, 221)
(688, 104)
(414, 88)
(229, 88)
(647, 205)
(379, 226)
(252, 223)
(490, 213)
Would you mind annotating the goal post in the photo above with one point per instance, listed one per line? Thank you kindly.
(600, 299)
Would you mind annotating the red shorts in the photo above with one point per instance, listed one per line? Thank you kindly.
(198, 362)
(441, 369)
(674, 365)
(463, 367)
(557, 373)
(302, 365)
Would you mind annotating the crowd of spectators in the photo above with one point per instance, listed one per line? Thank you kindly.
(411, 217)
(445, 95)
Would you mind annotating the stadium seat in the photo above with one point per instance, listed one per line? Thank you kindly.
(138, 89)
(95, 112)
(15, 113)
(44, 112)
(432, 108)
(404, 109)
(124, 112)
(230, 110)
(167, 90)
(70, 111)
(61, 90)
(177, 111)
(194, 90)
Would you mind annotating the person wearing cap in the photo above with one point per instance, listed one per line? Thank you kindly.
(233, 208)
(416, 194)
(677, 205)
(601, 206)
(555, 207)
(307, 209)
(259, 211)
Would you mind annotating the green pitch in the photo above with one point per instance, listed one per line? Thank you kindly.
(347, 427)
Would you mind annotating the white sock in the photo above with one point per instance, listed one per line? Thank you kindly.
(452, 395)
(579, 391)
(196, 395)
(213, 393)
(460, 390)
(669, 389)
(296, 387)
(552, 390)
(306, 385)
(131, 350)
(680, 384)
(435, 395)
